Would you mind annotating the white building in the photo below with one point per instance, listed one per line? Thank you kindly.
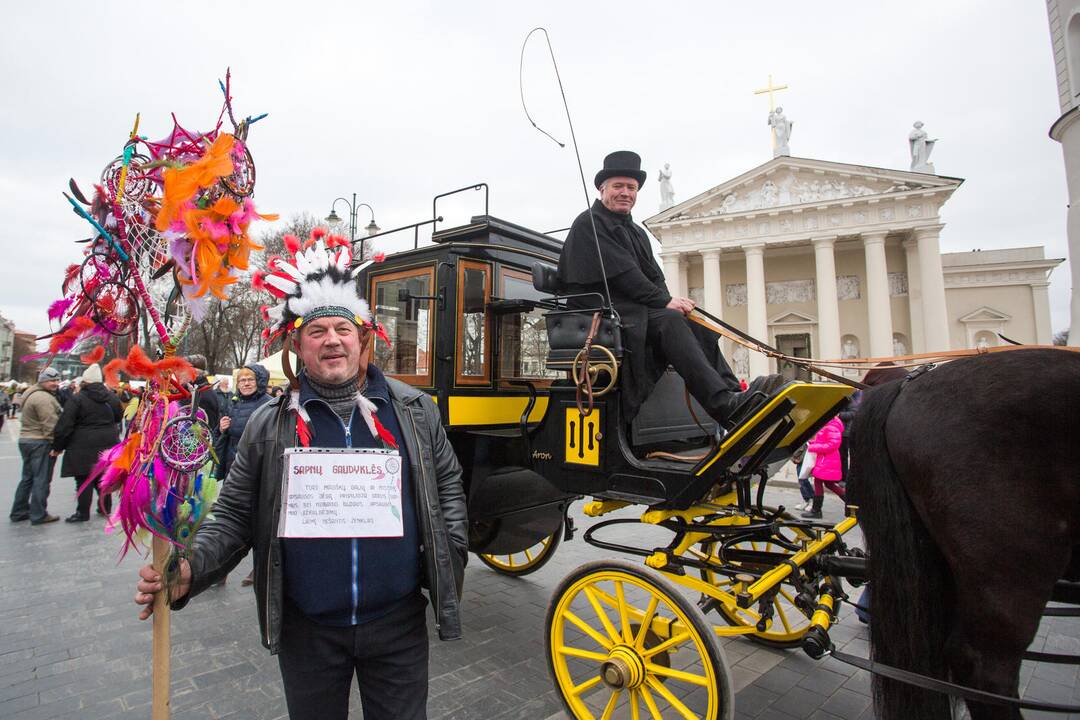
(7, 347)
(826, 259)
(1064, 18)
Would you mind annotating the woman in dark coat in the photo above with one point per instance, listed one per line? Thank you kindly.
(89, 424)
(251, 382)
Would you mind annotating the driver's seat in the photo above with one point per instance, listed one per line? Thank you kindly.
(568, 329)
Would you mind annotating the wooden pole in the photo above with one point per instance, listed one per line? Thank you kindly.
(162, 645)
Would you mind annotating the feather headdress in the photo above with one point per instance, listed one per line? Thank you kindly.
(316, 281)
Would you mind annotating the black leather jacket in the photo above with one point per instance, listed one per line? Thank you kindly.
(246, 513)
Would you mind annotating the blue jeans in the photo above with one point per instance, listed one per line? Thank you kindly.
(32, 494)
(806, 489)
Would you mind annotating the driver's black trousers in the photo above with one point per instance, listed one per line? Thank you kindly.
(694, 353)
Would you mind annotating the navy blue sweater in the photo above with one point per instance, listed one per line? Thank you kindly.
(343, 581)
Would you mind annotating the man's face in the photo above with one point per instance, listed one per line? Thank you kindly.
(51, 385)
(618, 194)
(333, 349)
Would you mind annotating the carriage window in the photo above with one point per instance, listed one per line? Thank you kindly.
(523, 345)
(474, 291)
(408, 322)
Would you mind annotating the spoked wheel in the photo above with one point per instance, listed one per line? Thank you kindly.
(622, 642)
(526, 561)
(789, 623)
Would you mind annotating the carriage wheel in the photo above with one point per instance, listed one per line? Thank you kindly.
(624, 643)
(789, 623)
(526, 561)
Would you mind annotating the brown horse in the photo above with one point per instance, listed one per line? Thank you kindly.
(966, 478)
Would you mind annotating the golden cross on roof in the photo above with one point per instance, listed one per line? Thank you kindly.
(771, 89)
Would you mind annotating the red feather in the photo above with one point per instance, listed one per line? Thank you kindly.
(72, 333)
(303, 432)
(292, 244)
(318, 233)
(336, 241)
(385, 435)
(94, 356)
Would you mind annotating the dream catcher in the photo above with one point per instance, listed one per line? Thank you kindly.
(169, 228)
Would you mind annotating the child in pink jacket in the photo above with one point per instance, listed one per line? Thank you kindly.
(827, 472)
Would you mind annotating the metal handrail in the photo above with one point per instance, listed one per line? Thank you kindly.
(477, 186)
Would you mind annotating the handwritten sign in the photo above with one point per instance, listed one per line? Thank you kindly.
(341, 492)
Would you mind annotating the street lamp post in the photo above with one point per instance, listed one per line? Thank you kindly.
(354, 207)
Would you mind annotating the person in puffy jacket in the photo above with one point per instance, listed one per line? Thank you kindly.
(251, 382)
(827, 470)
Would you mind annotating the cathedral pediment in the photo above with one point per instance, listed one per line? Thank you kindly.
(787, 183)
(985, 314)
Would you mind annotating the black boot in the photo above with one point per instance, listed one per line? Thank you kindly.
(743, 404)
(815, 510)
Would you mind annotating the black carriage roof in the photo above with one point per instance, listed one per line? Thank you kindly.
(486, 235)
(487, 228)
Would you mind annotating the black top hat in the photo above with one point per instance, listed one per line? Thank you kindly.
(621, 163)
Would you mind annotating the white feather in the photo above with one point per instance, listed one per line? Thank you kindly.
(287, 267)
(295, 406)
(367, 408)
(302, 264)
(342, 261)
(286, 286)
(320, 258)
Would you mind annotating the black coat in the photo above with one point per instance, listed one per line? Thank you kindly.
(89, 424)
(636, 284)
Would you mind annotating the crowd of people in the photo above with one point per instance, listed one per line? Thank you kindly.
(76, 420)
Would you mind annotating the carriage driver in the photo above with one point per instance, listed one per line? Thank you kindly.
(334, 604)
(655, 328)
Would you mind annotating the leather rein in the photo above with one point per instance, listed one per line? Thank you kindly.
(817, 366)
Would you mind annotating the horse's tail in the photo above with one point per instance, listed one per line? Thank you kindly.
(911, 596)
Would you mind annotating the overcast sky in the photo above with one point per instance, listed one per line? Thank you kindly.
(400, 101)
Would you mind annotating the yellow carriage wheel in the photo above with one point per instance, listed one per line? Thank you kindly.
(525, 561)
(622, 642)
(789, 622)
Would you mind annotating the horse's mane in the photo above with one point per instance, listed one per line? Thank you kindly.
(883, 373)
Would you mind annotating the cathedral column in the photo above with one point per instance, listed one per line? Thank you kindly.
(671, 272)
(684, 276)
(757, 322)
(914, 293)
(828, 307)
(878, 310)
(1041, 301)
(714, 294)
(935, 313)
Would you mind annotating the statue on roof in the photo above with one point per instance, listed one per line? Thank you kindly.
(921, 146)
(781, 128)
(667, 190)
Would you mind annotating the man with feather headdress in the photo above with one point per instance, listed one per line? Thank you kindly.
(334, 607)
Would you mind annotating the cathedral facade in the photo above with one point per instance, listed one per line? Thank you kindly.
(826, 259)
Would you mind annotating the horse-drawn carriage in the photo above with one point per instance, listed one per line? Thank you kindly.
(528, 392)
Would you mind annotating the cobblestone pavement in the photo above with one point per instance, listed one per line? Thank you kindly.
(71, 646)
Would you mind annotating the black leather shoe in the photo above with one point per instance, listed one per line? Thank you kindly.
(759, 391)
(76, 517)
(19, 518)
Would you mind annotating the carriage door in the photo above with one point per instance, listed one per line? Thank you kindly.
(474, 334)
(796, 346)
